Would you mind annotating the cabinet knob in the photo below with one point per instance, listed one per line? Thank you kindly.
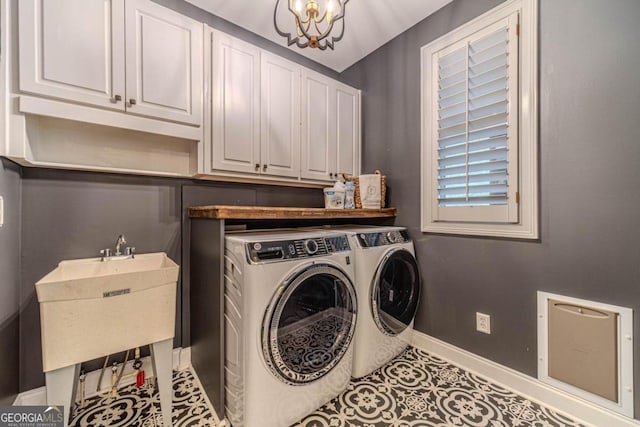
(264, 167)
(257, 166)
(132, 101)
(330, 174)
(116, 98)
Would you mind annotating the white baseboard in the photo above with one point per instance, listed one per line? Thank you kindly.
(527, 386)
(38, 396)
(184, 361)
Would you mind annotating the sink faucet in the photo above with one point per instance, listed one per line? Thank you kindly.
(121, 241)
(129, 252)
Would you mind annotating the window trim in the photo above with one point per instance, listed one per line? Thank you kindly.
(528, 225)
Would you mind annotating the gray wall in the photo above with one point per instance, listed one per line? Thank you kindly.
(589, 173)
(9, 280)
(67, 215)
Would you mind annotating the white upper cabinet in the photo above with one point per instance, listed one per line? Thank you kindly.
(73, 49)
(134, 65)
(330, 128)
(144, 59)
(280, 116)
(163, 63)
(347, 130)
(318, 150)
(271, 118)
(233, 124)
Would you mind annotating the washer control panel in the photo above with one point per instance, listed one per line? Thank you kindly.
(385, 238)
(281, 250)
(311, 246)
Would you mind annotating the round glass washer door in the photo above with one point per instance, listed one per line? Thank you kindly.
(395, 291)
(309, 325)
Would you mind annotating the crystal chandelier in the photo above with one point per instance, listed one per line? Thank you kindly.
(313, 26)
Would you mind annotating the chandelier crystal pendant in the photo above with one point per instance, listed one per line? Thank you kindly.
(313, 25)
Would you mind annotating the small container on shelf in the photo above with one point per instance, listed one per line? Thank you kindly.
(357, 193)
(349, 194)
(334, 198)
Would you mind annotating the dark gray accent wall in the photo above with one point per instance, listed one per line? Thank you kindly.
(68, 215)
(9, 280)
(589, 176)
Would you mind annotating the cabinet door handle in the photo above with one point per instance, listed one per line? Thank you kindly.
(257, 166)
(132, 101)
(264, 167)
(116, 98)
(330, 174)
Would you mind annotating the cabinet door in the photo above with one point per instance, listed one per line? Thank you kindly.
(164, 63)
(318, 145)
(348, 130)
(73, 50)
(233, 125)
(280, 117)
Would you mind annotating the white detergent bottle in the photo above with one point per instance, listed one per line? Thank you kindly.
(349, 195)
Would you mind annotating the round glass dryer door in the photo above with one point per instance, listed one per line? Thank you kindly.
(309, 325)
(395, 291)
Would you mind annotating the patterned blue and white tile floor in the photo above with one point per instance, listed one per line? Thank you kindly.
(414, 390)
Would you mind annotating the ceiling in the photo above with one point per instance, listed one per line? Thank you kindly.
(368, 24)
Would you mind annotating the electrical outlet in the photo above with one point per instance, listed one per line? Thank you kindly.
(483, 323)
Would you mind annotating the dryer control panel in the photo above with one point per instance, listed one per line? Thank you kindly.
(385, 238)
(281, 250)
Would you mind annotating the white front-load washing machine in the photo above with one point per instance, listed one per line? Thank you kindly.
(388, 292)
(290, 318)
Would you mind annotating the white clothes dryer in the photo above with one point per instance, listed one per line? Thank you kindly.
(290, 318)
(388, 291)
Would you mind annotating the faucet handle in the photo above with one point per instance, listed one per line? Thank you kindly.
(105, 253)
(129, 250)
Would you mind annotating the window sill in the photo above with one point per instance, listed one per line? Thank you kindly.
(512, 231)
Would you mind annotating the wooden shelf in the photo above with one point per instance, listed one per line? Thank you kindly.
(266, 212)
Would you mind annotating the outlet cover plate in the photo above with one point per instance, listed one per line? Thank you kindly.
(483, 323)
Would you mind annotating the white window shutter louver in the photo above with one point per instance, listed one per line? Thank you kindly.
(475, 101)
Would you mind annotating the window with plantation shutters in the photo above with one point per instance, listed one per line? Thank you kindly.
(476, 126)
(472, 111)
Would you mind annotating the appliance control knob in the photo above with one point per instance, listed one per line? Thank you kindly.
(311, 246)
(392, 237)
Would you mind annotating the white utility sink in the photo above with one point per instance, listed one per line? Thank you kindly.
(90, 278)
(90, 308)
